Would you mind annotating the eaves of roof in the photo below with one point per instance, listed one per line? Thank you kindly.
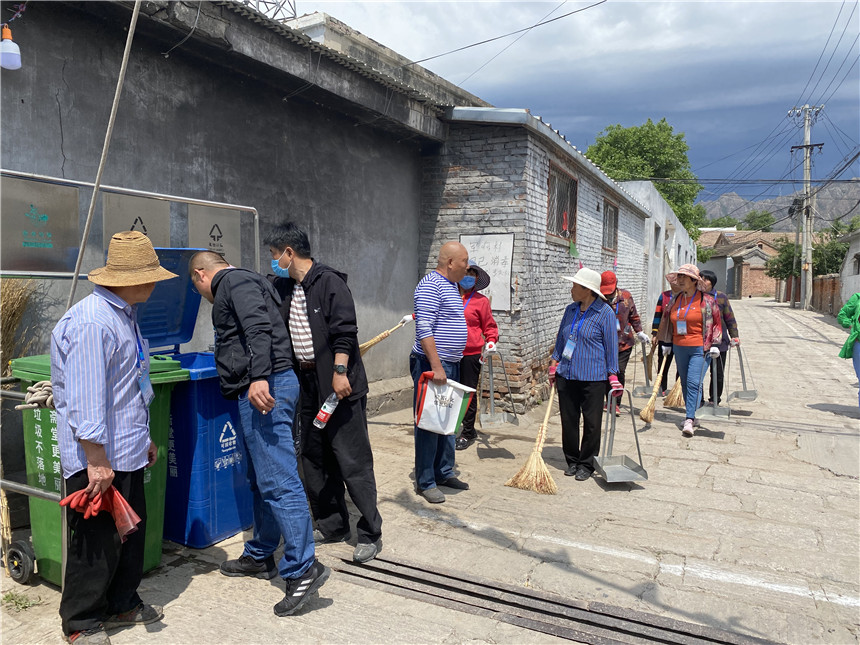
(353, 64)
(523, 118)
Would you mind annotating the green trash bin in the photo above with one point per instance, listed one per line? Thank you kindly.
(42, 458)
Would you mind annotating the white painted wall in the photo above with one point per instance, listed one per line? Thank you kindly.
(850, 278)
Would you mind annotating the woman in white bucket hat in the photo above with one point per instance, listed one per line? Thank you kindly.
(585, 357)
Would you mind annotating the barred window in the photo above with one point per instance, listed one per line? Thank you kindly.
(610, 225)
(561, 209)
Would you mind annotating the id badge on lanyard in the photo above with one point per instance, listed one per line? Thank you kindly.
(681, 324)
(143, 374)
(617, 322)
(570, 346)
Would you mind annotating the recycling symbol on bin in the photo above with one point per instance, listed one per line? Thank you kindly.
(138, 220)
(227, 438)
(215, 233)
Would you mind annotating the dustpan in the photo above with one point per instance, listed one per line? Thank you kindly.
(644, 390)
(713, 410)
(618, 468)
(493, 418)
(745, 393)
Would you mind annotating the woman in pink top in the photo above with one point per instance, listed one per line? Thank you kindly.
(482, 329)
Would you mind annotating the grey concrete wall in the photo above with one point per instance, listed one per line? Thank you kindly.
(189, 125)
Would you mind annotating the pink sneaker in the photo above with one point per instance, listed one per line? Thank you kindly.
(687, 430)
(695, 423)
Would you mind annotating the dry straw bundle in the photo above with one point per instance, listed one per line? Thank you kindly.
(379, 338)
(15, 298)
(534, 475)
(647, 413)
(675, 398)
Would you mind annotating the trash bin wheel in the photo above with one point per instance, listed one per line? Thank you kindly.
(21, 562)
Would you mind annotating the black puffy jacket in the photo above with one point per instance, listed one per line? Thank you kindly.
(251, 339)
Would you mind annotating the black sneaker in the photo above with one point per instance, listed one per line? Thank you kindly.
(320, 538)
(248, 566)
(463, 442)
(94, 636)
(299, 590)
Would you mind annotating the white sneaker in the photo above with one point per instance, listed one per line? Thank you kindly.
(687, 430)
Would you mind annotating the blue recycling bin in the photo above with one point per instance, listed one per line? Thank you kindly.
(208, 497)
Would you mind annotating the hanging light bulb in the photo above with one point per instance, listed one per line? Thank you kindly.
(10, 53)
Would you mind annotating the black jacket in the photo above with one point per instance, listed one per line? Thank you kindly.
(331, 315)
(251, 340)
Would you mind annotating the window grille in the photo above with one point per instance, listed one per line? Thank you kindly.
(610, 226)
(561, 209)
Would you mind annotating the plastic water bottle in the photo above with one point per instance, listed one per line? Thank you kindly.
(326, 411)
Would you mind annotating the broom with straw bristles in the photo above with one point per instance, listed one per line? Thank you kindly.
(535, 475)
(380, 337)
(647, 413)
(675, 398)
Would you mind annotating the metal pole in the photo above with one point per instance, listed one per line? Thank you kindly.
(805, 264)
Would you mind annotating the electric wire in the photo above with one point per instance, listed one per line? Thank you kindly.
(821, 55)
(836, 89)
(847, 136)
(511, 44)
(489, 40)
(833, 53)
(188, 35)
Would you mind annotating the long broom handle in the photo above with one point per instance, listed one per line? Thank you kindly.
(657, 382)
(379, 337)
(542, 432)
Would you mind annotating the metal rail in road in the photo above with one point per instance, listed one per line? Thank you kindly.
(584, 622)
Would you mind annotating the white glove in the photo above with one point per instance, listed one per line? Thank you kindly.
(714, 351)
(407, 318)
(643, 337)
(490, 347)
(736, 342)
(666, 350)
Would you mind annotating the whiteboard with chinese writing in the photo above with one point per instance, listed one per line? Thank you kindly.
(494, 253)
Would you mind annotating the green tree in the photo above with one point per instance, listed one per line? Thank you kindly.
(726, 221)
(758, 221)
(827, 256)
(652, 150)
(781, 265)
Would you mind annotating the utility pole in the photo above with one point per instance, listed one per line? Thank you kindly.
(794, 211)
(809, 113)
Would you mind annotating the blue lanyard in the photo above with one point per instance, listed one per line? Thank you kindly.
(141, 357)
(579, 326)
(466, 304)
(687, 310)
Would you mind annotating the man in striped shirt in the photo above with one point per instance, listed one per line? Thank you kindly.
(100, 376)
(318, 309)
(440, 338)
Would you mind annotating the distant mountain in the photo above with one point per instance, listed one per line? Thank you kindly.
(831, 202)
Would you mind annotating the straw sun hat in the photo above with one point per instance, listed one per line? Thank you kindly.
(689, 270)
(589, 279)
(131, 261)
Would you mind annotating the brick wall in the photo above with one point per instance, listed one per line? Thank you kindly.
(493, 179)
(755, 282)
(826, 294)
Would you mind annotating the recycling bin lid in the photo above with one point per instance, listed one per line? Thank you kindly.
(168, 317)
(28, 367)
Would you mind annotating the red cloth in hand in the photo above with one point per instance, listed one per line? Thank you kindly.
(112, 501)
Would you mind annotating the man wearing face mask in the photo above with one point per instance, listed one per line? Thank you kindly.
(319, 312)
(482, 329)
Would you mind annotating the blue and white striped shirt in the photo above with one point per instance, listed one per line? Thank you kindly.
(94, 371)
(596, 354)
(439, 313)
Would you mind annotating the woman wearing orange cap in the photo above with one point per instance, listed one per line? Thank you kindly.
(694, 329)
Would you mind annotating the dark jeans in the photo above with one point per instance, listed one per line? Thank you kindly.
(470, 371)
(717, 371)
(102, 572)
(434, 453)
(580, 399)
(336, 459)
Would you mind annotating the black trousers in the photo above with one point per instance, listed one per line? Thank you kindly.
(623, 359)
(660, 358)
(102, 572)
(336, 459)
(470, 371)
(580, 399)
(717, 371)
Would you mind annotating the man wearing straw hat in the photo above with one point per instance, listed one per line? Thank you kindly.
(440, 338)
(102, 392)
(319, 312)
(255, 366)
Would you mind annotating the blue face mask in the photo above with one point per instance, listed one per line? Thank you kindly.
(468, 282)
(278, 270)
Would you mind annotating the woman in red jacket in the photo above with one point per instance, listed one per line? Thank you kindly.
(482, 329)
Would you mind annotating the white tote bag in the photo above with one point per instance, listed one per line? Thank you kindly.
(441, 408)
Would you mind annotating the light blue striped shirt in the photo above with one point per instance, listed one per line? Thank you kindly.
(439, 313)
(94, 372)
(596, 354)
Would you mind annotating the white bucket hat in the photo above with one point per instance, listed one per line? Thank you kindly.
(588, 278)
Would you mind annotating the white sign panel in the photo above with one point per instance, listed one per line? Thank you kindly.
(131, 213)
(494, 254)
(216, 229)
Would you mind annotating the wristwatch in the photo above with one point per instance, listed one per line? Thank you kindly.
(339, 369)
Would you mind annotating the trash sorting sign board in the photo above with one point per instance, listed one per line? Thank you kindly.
(131, 213)
(494, 253)
(216, 229)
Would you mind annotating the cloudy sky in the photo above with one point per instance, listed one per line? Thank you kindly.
(724, 73)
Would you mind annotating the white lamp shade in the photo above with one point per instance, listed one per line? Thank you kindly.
(10, 55)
